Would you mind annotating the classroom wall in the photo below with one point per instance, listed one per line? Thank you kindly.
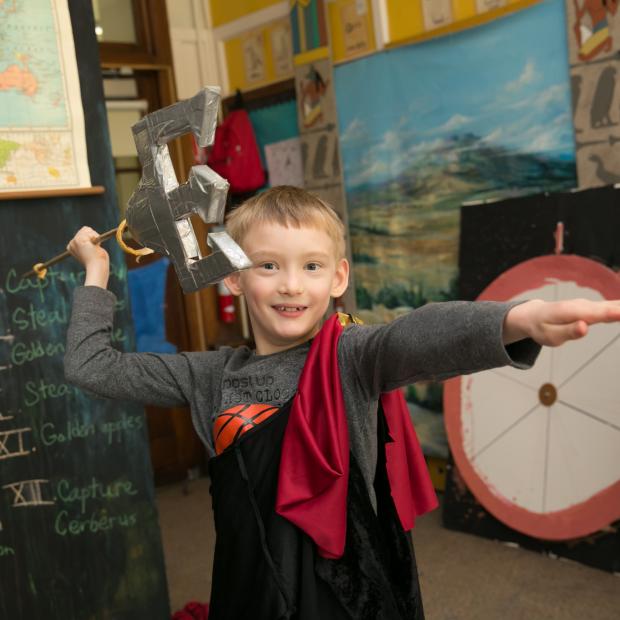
(421, 104)
(393, 104)
(244, 42)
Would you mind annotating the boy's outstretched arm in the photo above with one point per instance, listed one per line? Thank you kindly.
(552, 323)
(442, 340)
(93, 364)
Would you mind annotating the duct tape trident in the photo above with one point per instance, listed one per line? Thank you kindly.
(159, 209)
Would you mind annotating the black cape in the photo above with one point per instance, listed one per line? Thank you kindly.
(265, 568)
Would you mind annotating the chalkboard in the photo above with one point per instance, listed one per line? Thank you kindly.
(79, 536)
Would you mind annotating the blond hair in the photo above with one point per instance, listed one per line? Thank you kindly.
(288, 206)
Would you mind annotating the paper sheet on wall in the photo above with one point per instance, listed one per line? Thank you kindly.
(42, 141)
(284, 163)
(488, 5)
(355, 31)
(437, 13)
(254, 57)
(281, 49)
(593, 33)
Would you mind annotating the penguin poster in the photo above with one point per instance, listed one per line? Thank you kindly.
(593, 28)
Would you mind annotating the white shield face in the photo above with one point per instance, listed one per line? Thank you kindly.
(555, 439)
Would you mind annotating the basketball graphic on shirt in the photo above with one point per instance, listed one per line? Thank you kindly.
(540, 448)
(234, 422)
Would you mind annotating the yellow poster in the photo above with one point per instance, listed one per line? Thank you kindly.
(482, 6)
(254, 57)
(436, 13)
(354, 28)
(282, 50)
(409, 21)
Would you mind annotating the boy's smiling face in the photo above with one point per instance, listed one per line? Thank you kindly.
(295, 272)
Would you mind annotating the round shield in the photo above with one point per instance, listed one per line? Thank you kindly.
(540, 448)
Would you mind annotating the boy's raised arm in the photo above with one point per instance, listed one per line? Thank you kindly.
(92, 363)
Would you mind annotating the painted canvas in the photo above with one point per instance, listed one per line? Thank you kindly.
(482, 115)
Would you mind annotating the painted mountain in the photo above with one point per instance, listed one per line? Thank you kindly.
(404, 231)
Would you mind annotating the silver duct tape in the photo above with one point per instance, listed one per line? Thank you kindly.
(188, 239)
(159, 209)
(222, 242)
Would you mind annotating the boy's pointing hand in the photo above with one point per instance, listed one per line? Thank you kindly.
(552, 323)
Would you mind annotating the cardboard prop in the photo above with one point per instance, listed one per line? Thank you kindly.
(495, 238)
(539, 449)
(159, 209)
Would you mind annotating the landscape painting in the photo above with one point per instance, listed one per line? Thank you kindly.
(481, 115)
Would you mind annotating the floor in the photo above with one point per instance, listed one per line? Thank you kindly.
(462, 577)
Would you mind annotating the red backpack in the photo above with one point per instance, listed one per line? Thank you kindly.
(235, 155)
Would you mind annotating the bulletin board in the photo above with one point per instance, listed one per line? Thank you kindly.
(408, 21)
(260, 56)
(351, 29)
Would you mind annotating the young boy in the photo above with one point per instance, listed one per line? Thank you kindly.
(307, 453)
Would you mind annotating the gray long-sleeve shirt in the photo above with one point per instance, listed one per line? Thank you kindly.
(436, 341)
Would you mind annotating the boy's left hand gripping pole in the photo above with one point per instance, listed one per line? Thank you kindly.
(40, 269)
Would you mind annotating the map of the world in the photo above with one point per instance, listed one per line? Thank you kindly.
(42, 142)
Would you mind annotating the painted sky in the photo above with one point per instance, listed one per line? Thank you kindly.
(506, 82)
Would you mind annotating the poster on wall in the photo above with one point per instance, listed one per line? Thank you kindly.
(315, 95)
(254, 57)
(281, 49)
(437, 13)
(593, 29)
(354, 28)
(427, 127)
(42, 142)
(284, 163)
(316, 110)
